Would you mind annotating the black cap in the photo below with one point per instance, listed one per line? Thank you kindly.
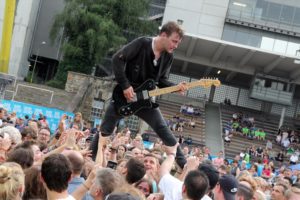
(229, 186)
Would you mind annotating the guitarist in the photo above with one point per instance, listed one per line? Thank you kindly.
(142, 59)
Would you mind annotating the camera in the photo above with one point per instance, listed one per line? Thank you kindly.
(111, 164)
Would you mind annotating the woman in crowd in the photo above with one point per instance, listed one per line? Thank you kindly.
(77, 121)
(34, 188)
(121, 151)
(11, 181)
(145, 186)
(266, 173)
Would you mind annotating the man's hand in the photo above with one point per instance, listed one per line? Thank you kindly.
(129, 94)
(182, 87)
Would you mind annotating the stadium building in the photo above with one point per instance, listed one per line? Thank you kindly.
(251, 46)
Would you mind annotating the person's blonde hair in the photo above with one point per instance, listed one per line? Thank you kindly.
(78, 114)
(130, 189)
(259, 195)
(261, 183)
(249, 179)
(288, 193)
(12, 179)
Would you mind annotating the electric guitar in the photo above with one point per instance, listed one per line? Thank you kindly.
(147, 90)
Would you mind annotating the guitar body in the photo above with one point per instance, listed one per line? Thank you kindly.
(142, 100)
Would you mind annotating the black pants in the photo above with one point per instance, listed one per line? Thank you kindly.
(151, 116)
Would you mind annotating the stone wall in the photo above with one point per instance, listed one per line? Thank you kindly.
(99, 85)
(75, 80)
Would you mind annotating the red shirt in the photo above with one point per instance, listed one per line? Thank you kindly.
(267, 172)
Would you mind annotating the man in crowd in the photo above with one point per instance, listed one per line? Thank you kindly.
(213, 176)
(105, 182)
(43, 136)
(293, 193)
(134, 170)
(56, 173)
(226, 189)
(278, 192)
(194, 186)
(77, 163)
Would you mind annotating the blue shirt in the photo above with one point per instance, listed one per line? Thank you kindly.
(259, 170)
(75, 183)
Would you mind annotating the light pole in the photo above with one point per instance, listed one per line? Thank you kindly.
(36, 57)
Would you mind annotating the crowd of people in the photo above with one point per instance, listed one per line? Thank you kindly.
(178, 123)
(243, 125)
(124, 169)
(190, 110)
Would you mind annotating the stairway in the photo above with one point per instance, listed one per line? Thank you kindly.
(213, 131)
(170, 109)
(239, 143)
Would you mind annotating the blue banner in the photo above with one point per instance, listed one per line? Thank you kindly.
(53, 115)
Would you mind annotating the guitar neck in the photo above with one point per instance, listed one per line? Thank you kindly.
(175, 88)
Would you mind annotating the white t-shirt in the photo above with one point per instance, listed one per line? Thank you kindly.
(68, 198)
(206, 197)
(171, 187)
(294, 158)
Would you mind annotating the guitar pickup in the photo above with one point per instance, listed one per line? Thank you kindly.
(145, 94)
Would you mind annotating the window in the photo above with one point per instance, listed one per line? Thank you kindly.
(292, 47)
(242, 37)
(97, 109)
(229, 33)
(287, 14)
(261, 9)
(267, 43)
(297, 17)
(280, 46)
(274, 12)
(254, 39)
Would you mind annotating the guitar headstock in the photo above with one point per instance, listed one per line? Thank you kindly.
(208, 82)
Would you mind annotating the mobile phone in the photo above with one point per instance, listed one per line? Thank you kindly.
(111, 164)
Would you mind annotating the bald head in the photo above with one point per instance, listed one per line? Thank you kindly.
(76, 160)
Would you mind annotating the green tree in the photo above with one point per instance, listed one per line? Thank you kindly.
(93, 28)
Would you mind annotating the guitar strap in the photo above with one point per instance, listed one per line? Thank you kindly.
(155, 105)
(160, 68)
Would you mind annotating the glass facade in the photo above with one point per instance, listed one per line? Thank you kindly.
(157, 7)
(263, 11)
(267, 14)
(261, 39)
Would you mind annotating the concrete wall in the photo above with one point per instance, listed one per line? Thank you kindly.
(48, 11)
(25, 16)
(2, 6)
(200, 17)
